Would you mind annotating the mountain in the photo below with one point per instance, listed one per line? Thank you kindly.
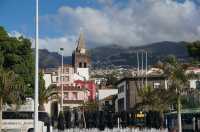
(127, 56)
(117, 55)
(52, 59)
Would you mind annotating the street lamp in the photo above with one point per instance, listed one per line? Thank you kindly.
(36, 69)
(84, 100)
(62, 78)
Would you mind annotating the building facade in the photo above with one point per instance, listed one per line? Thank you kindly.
(89, 86)
(127, 90)
(74, 77)
(81, 59)
(54, 75)
(73, 96)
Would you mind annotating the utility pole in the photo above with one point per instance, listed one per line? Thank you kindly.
(36, 68)
(142, 69)
(84, 102)
(62, 78)
(138, 69)
(138, 64)
(146, 68)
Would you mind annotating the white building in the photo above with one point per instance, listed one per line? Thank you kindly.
(79, 70)
(103, 93)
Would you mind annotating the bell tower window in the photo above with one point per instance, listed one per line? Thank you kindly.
(85, 65)
(80, 65)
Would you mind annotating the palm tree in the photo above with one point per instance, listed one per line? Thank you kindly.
(45, 94)
(154, 100)
(11, 90)
(147, 98)
(178, 82)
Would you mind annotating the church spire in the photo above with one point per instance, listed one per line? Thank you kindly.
(80, 42)
(80, 57)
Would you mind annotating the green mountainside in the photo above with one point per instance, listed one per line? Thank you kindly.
(116, 55)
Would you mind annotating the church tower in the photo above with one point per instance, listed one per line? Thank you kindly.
(80, 57)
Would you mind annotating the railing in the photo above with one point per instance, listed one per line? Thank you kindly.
(113, 130)
(21, 125)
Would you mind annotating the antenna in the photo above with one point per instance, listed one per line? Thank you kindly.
(146, 68)
(138, 64)
(142, 67)
(138, 69)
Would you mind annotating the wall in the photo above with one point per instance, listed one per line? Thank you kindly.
(122, 95)
(48, 79)
(103, 93)
(133, 97)
(90, 86)
(80, 95)
(83, 72)
(193, 83)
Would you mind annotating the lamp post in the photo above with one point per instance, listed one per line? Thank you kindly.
(84, 99)
(146, 69)
(36, 69)
(84, 102)
(142, 75)
(62, 78)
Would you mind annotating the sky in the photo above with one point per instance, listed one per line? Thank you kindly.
(103, 22)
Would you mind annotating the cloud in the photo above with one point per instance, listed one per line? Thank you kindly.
(54, 44)
(15, 34)
(136, 23)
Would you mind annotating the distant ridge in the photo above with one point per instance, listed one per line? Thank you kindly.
(116, 55)
(51, 59)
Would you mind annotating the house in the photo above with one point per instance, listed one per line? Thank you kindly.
(127, 89)
(195, 81)
(74, 96)
(90, 86)
(54, 75)
(108, 103)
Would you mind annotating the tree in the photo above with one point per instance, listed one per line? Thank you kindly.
(61, 121)
(194, 49)
(11, 90)
(91, 105)
(45, 94)
(154, 100)
(148, 98)
(16, 55)
(178, 82)
(111, 78)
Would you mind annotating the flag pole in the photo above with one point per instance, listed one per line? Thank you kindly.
(146, 70)
(62, 79)
(36, 69)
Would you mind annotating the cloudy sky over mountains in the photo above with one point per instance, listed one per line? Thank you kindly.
(124, 22)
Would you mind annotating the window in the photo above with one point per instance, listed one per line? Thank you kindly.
(74, 96)
(121, 89)
(156, 85)
(62, 78)
(57, 79)
(121, 104)
(80, 65)
(198, 85)
(66, 95)
(85, 65)
(66, 70)
(107, 102)
(66, 78)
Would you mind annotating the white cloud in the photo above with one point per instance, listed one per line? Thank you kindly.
(15, 34)
(54, 44)
(139, 22)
